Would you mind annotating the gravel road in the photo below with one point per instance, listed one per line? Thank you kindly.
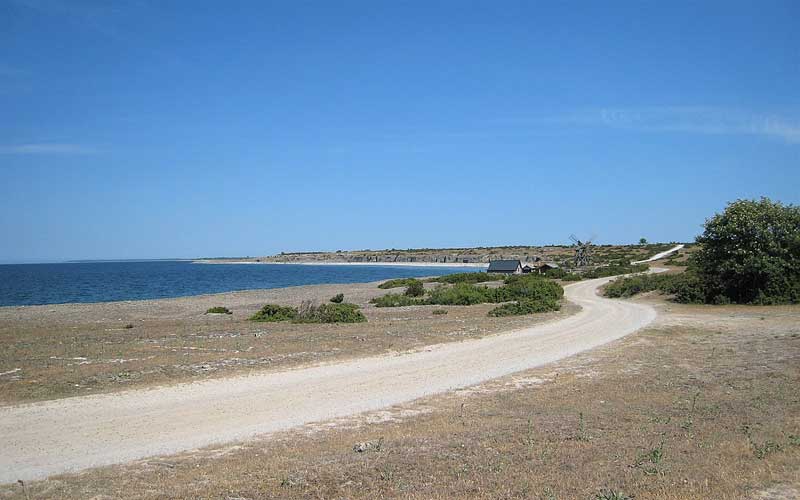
(43, 439)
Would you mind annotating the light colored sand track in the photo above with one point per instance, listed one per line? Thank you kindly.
(660, 255)
(47, 438)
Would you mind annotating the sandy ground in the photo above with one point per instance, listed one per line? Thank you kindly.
(77, 433)
(67, 350)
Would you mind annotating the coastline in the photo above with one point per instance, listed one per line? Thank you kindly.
(472, 265)
(164, 341)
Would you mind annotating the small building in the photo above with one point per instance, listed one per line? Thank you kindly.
(543, 267)
(529, 268)
(505, 267)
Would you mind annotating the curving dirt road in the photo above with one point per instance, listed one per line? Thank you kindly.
(47, 438)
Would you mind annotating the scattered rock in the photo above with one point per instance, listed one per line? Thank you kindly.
(368, 446)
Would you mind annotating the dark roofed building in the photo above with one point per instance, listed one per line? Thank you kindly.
(543, 267)
(505, 267)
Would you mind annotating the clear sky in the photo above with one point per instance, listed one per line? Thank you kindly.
(150, 129)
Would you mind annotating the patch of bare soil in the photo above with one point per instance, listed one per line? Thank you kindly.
(703, 405)
(56, 351)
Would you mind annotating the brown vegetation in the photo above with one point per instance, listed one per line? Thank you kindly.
(702, 405)
(56, 351)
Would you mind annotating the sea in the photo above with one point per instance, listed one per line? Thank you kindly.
(69, 282)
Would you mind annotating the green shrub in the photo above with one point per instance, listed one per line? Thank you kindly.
(415, 289)
(337, 313)
(460, 294)
(273, 312)
(750, 253)
(614, 269)
(338, 298)
(396, 283)
(562, 274)
(439, 312)
(308, 312)
(395, 300)
(469, 278)
(526, 306)
(527, 287)
(688, 290)
(219, 310)
(685, 287)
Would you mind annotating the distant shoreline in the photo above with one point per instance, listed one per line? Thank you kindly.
(384, 264)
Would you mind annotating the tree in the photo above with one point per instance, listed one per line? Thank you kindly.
(750, 253)
(643, 241)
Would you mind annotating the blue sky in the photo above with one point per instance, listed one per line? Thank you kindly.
(179, 129)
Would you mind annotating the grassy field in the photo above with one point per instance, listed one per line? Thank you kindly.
(702, 405)
(56, 351)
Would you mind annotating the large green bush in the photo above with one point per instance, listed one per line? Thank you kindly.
(750, 253)
(460, 294)
(415, 289)
(525, 307)
(532, 293)
(684, 286)
(336, 313)
(469, 278)
(273, 312)
(528, 287)
(311, 313)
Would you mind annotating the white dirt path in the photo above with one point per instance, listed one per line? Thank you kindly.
(43, 439)
(660, 255)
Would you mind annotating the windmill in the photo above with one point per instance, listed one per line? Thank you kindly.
(583, 250)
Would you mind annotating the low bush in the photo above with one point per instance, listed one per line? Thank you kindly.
(533, 293)
(469, 278)
(338, 298)
(336, 313)
(395, 300)
(460, 294)
(684, 287)
(311, 313)
(439, 312)
(527, 287)
(273, 312)
(562, 274)
(219, 310)
(396, 283)
(615, 269)
(415, 289)
(527, 306)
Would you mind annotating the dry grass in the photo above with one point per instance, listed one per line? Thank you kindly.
(55, 351)
(702, 405)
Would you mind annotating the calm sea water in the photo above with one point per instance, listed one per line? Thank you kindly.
(29, 284)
